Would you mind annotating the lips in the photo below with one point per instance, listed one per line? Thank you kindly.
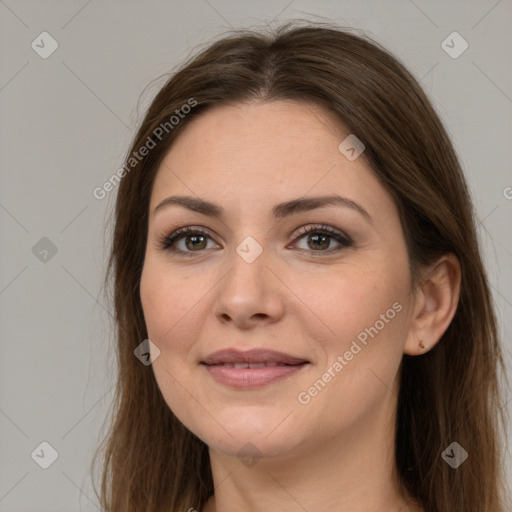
(257, 358)
(252, 369)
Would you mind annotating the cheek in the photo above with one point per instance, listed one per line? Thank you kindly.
(154, 295)
(373, 323)
(352, 298)
(364, 314)
(164, 298)
(175, 305)
(169, 315)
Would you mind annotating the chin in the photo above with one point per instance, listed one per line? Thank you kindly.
(249, 438)
(251, 447)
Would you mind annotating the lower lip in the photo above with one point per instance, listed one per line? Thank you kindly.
(246, 378)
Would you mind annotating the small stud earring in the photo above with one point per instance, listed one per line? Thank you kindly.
(421, 344)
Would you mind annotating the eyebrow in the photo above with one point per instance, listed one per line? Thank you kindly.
(279, 211)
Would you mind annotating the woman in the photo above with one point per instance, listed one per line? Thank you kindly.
(295, 264)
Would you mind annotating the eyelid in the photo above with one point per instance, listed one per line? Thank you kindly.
(312, 227)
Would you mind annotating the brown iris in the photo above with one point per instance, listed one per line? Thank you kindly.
(324, 241)
(196, 242)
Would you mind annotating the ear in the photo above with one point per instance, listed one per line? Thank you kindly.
(435, 303)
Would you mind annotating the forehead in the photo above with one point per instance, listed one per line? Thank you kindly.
(264, 152)
(248, 129)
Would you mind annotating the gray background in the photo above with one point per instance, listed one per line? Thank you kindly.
(66, 122)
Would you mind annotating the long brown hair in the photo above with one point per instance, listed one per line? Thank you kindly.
(150, 461)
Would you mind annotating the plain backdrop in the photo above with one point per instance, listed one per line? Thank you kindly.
(66, 123)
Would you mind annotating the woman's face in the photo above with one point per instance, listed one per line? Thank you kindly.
(324, 282)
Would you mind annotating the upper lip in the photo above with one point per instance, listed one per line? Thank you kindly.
(251, 356)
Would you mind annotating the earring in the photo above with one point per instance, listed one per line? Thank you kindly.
(421, 344)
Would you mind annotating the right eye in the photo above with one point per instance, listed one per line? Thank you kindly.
(191, 239)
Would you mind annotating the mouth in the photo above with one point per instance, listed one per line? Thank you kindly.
(251, 369)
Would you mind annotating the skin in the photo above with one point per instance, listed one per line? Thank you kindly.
(336, 451)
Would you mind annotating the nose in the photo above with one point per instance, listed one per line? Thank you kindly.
(250, 294)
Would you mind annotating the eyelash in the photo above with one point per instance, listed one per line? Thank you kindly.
(167, 241)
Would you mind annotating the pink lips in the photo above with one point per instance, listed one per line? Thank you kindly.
(253, 368)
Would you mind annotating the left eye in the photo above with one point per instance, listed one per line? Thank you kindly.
(318, 239)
